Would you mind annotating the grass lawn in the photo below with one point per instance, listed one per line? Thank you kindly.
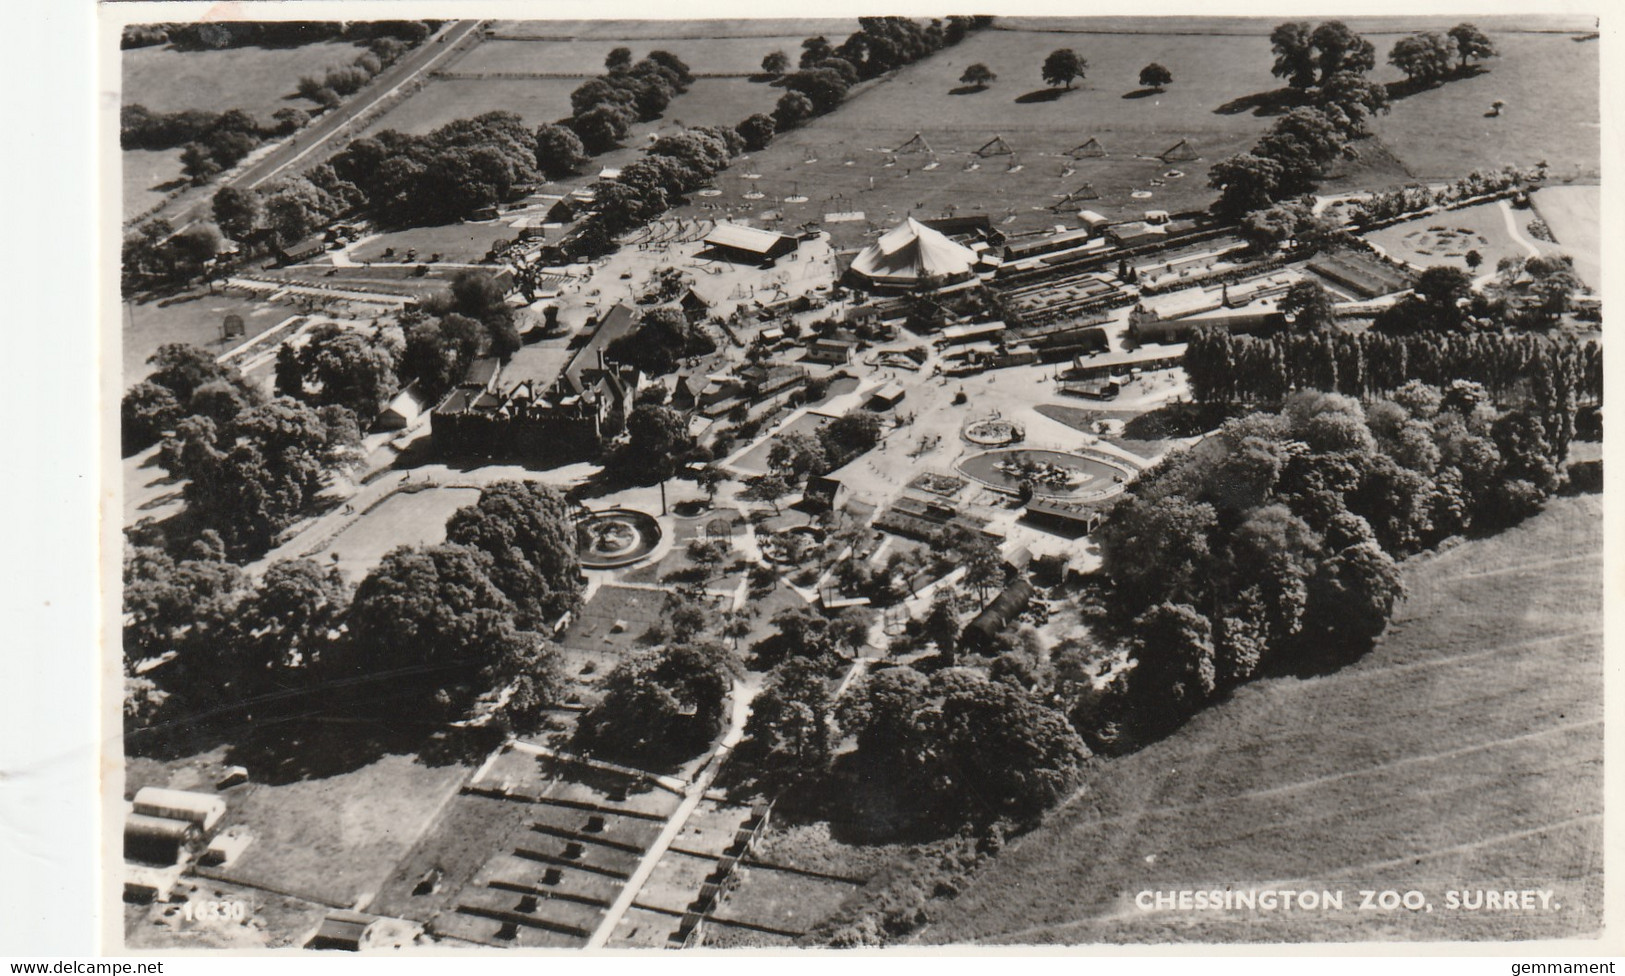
(258, 80)
(329, 838)
(193, 317)
(634, 607)
(148, 174)
(754, 461)
(536, 100)
(1574, 214)
(634, 33)
(1465, 751)
(405, 518)
(1482, 228)
(783, 900)
(464, 242)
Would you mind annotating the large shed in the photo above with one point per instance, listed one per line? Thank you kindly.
(198, 808)
(997, 616)
(742, 243)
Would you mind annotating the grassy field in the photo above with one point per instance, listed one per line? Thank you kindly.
(1464, 752)
(149, 174)
(1549, 82)
(407, 518)
(1574, 213)
(193, 317)
(635, 32)
(257, 80)
(712, 55)
(328, 838)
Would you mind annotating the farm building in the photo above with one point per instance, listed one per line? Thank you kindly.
(886, 397)
(198, 808)
(1147, 325)
(404, 410)
(955, 334)
(835, 352)
(909, 252)
(1070, 519)
(752, 245)
(311, 247)
(160, 840)
(996, 617)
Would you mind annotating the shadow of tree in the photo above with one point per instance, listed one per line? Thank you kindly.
(967, 89)
(1275, 102)
(1143, 93)
(1042, 95)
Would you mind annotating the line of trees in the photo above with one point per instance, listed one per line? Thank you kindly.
(437, 633)
(221, 34)
(1227, 369)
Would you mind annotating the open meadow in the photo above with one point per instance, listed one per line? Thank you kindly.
(258, 80)
(1445, 238)
(1465, 751)
(1574, 214)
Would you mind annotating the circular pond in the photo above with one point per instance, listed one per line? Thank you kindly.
(615, 537)
(1056, 474)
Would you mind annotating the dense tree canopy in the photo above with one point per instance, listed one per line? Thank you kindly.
(527, 531)
(661, 706)
(1155, 76)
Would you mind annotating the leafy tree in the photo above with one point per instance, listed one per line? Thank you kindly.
(1353, 594)
(978, 74)
(793, 109)
(282, 630)
(1062, 66)
(251, 478)
(757, 130)
(850, 629)
(814, 50)
(559, 151)
(788, 737)
(706, 553)
(775, 64)
(661, 706)
(1001, 751)
(823, 87)
(602, 127)
(1246, 182)
(1310, 306)
(850, 435)
(147, 411)
(175, 605)
(341, 367)
(1471, 43)
(618, 59)
(1174, 671)
(662, 339)
(1425, 57)
(237, 212)
(770, 487)
(680, 73)
(182, 368)
(1294, 54)
(1349, 98)
(1155, 76)
(526, 529)
(1339, 49)
(657, 438)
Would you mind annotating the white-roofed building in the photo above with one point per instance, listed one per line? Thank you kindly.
(737, 241)
(909, 252)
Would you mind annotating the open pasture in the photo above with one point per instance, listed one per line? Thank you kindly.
(848, 160)
(1465, 751)
(1574, 214)
(585, 56)
(633, 32)
(258, 80)
(1549, 83)
(147, 176)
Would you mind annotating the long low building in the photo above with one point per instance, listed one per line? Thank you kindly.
(740, 242)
